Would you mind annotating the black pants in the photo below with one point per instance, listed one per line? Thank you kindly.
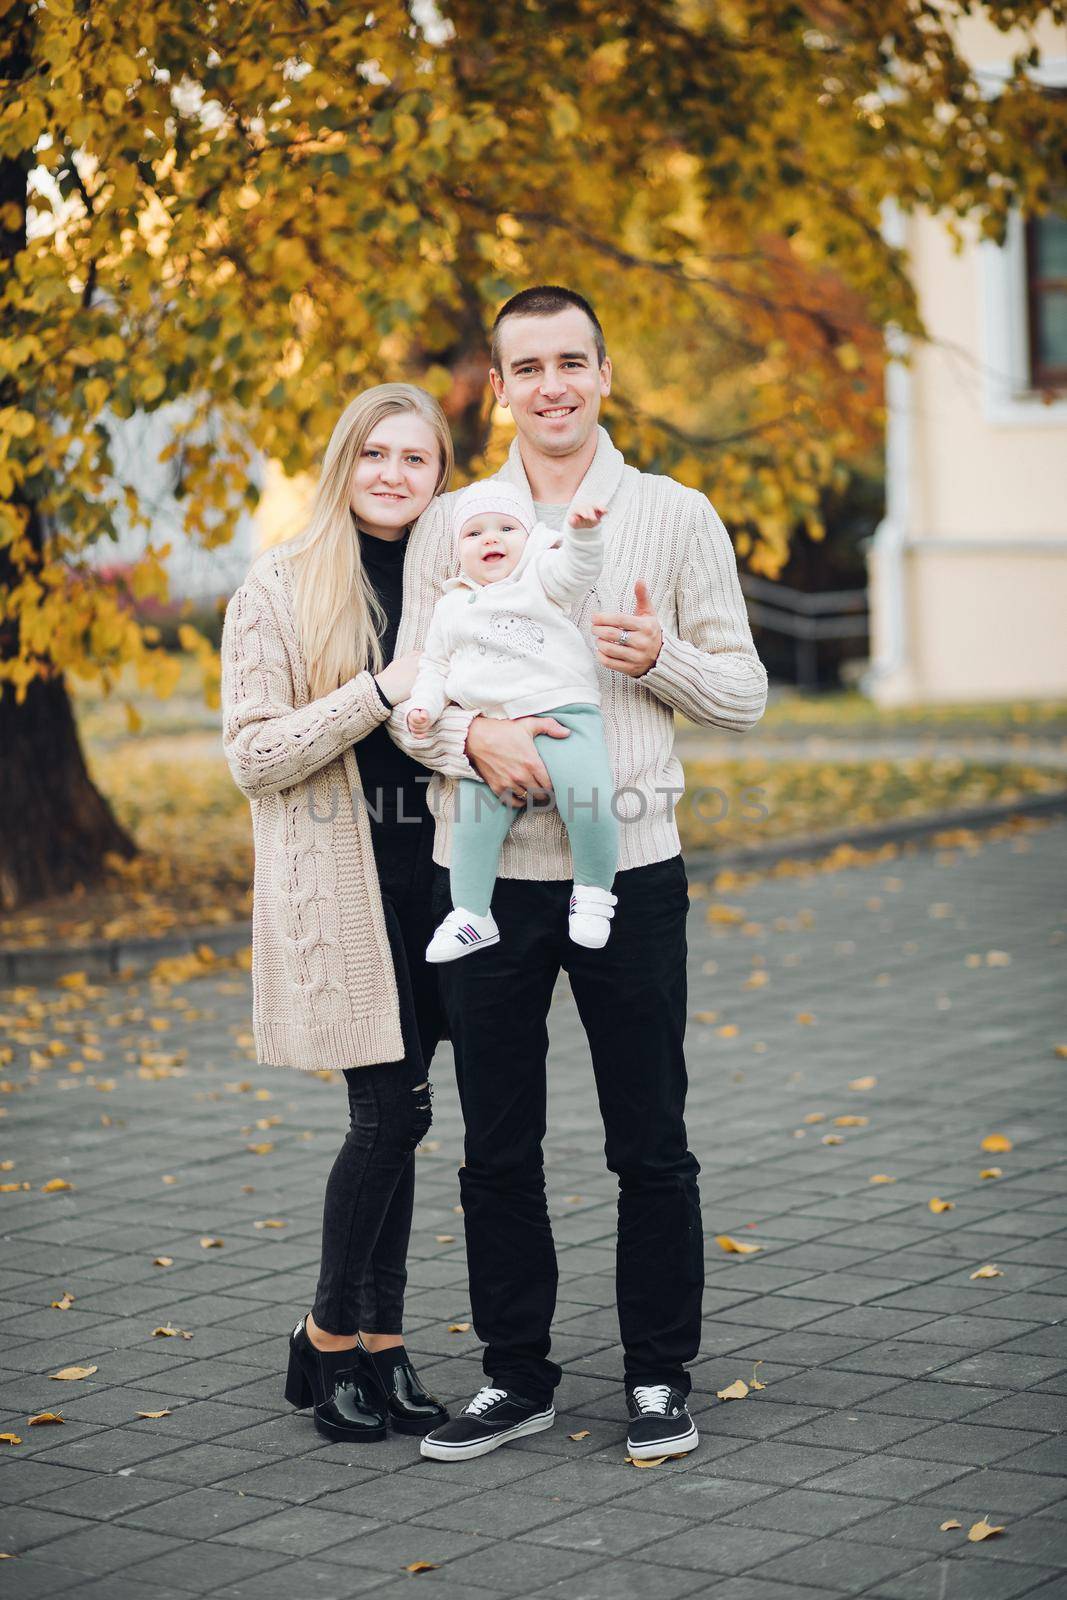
(366, 1219)
(631, 997)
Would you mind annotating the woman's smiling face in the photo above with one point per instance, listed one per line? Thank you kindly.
(490, 545)
(396, 474)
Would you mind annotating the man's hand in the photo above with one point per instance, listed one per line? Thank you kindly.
(419, 721)
(505, 755)
(629, 644)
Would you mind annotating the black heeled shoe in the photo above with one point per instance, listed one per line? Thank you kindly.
(348, 1407)
(399, 1390)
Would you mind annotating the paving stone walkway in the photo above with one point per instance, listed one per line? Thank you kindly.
(900, 1391)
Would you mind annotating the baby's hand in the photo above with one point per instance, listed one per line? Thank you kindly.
(419, 721)
(585, 515)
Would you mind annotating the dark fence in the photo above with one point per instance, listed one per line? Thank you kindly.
(807, 619)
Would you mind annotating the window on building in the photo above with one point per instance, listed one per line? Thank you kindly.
(1046, 296)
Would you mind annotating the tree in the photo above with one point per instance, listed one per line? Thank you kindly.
(260, 209)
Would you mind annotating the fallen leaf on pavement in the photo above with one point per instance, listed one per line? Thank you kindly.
(647, 1461)
(44, 1416)
(10, 1438)
(163, 1261)
(851, 1122)
(982, 1530)
(735, 1246)
(459, 1327)
(945, 1526)
(991, 1172)
(55, 1184)
(996, 1143)
(211, 1244)
(734, 1391)
(71, 1373)
(421, 1566)
(988, 1271)
(880, 1177)
(444, 1238)
(576, 1436)
(938, 1205)
(151, 1413)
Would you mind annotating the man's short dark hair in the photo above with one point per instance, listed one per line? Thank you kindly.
(544, 300)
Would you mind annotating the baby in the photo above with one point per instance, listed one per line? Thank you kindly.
(501, 643)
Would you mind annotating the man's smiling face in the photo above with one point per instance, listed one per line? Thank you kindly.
(550, 377)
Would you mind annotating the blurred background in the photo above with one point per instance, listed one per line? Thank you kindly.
(827, 242)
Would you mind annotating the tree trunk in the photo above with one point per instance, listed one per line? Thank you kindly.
(55, 827)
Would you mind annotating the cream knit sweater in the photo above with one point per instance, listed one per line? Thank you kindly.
(672, 538)
(323, 989)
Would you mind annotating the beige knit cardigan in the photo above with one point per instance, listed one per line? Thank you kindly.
(323, 988)
(670, 536)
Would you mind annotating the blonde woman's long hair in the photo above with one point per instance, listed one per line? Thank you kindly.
(338, 615)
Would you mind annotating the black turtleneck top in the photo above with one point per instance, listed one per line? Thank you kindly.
(394, 785)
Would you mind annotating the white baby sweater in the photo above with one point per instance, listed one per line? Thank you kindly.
(510, 649)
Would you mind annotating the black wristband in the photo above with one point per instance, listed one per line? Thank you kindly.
(382, 695)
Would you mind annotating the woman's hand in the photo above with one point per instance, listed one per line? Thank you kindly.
(506, 757)
(419, 721)
(397, 680)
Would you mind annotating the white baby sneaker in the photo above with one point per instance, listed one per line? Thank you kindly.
(461, 933)
(591, 914)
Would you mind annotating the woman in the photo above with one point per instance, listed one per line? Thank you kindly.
(343, 870)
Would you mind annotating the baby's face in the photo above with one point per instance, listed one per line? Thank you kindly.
(490, 545)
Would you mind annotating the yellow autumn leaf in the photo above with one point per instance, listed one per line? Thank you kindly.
(210, 1244)
(152, 1414)
(260, 1149)
(1061, 1051)
(459, 1327)
(44, 1416)
(71, 1374)
(881, 1177)
(270, 1222)
(804, 1017)
(64, 1303)
(646, 1461)
(584, 1434)
(945, 1526)
(832, 1138)
(991, 1172)
(421, 1566)
(996, 1143)
(937, 1205)
(734, 1391)
(10, 1438)
(982, 1530)
(863, 1083)
(735, 1246)
(990, 1270)
(55, 1184)
(705, 1016)
(444, 1238)
(729, 1030)
(815, 1116)
(851, 1122)
(163, 1261)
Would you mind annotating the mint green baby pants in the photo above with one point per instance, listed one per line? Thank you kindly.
(583, 788)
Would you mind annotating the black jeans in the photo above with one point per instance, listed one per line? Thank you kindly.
(631, 997)
(366, 1220)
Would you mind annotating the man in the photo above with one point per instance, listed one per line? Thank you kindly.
(668, 625)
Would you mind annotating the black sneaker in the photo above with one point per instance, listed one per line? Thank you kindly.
(494, 1416)
(660, 1424)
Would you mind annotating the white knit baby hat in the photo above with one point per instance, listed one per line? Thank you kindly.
(493, 495)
